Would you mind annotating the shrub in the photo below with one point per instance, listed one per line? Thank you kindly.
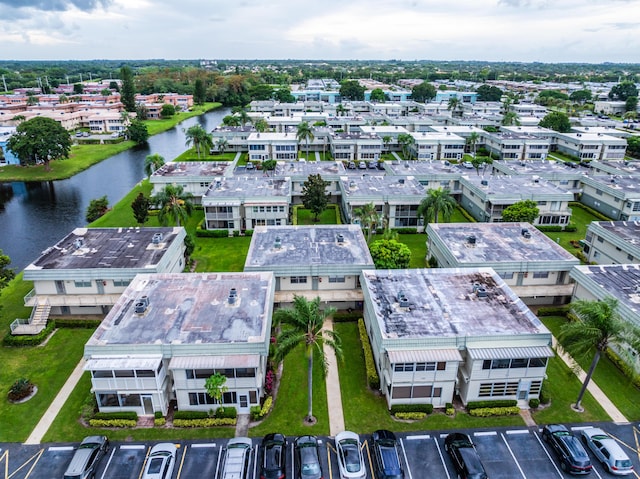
(157, 414)
(20, 389)
(544, 395)
(236, 233)
(449, 409)
(571, 228)
(269, 381)
(125, 415)
(206, 422)
(226, 412)
(534, 403)
(491, 404)
(248, 233)
(254, 412)
(549, 228)
(22, 341)
(188, 415)
(622, 366)
(258, 412)
(406, 231)
(346, 316)
(372, 374)
(402, 408)
(553, 311)
(597, 214)
(159, 421)
(78, 323)
(112, 423)
(211, 233)
(494, 411)
(466, 214)
(411, 415)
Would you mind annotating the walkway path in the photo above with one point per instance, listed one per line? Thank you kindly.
(45, 422)
(396, 156)
(596, 392)
(334, 398)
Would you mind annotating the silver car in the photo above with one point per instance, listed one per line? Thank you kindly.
(160, 462)
(608, 451)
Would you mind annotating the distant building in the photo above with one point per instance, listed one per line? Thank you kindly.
(194, 176)
(613, 242)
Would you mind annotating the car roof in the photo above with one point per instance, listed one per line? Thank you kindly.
(347, 435)
(163, 447)
(239, 442)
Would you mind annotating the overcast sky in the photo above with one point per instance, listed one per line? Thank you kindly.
(495, 30)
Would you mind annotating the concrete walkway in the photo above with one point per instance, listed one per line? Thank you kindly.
(596, 392)
(45, 422)
(334, 398)
(242, 425)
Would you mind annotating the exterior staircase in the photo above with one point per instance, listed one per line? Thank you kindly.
(36, 323)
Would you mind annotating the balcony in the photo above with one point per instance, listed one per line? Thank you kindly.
(57, 300)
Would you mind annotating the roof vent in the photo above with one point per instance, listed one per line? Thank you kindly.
(340, 238)
(277, 243)
(479, 290)
(78, 243)
(403, 301)
(484, 182)
(233, 295)
(157, 238)
(352, 185)
(471, 239)
(141, 305)
(525, 232)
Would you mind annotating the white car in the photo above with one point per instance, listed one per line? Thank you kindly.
(160, 462)
(608, 451)
(350, 460)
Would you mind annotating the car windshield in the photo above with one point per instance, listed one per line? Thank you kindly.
(623, 464)
(310, 468)
(89, 445)
(272, 456)
(351, 455)
(155, 465)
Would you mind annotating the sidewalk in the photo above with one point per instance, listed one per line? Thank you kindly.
(596, 392)
(334, 398)
(47, 419)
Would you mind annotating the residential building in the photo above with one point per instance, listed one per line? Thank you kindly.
(610, 107)
(168, 333)
(194, 176)
(591, 146)
(615, 196)
(272, 146)
(435, 145)
(566, 176)
(535, 267)
(235, 136)
(312, 261)
(438, 333)
(612, 242)
(443, 96)
(509, 145)
(356, 146)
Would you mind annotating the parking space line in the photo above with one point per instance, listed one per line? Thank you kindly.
(513, 456)
(485, 433)
(60, 448)
(218, 464)
(406, 461)
(366, 443)
(442, 458)
(184, 455)
(413, 438)
(5, 458)
(208, 444)
(548, 455)
(517, 431)
(255, 461)
(106, 468)
(133, 446)
(35, 458)
(329, 462)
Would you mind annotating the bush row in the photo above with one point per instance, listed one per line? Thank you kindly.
(190, 415)
(78, 323)
(205, 422)
(202, 233)
(411, 415)
(346, 316)
(494, 411)
(372, 374)
(223, 412)
(127, 415)
(491, 404)
(622, 366)
(258, 412)
(403, 408)
(405, 231)
(159, 421)
(112, 423)
(597, 214)
(534, 403)
(466, 214)
(553, 311)
(21, 341)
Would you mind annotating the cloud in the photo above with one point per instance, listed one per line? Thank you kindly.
(56, 5)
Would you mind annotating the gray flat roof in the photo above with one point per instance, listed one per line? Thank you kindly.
(367, 185)
(191, 168)
(626, 184)
(190, 308)
(423, 168)
(308, 245)
(89, 248)
(523, 187)
(498, 243)
(546, 168)
(621, 281)
(443, 304)
(628, 231)
(248, 187)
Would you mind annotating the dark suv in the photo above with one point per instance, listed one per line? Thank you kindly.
(464, 456)
(573, 458)
(273, 459)
(86, 458)
(385, 455)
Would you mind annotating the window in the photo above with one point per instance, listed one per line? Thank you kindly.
(108, 399)
(245, 373)
(505, 275)
(498, 389)
(82, 284)
(102, 374)
(401, 392)
(130, 400)
(630, 257)
(540, 274)
(229, 398)
(145, 373)
(197, 399)
(298, 279)
(199, 373)
(535, 387)
(121, 282)
(336, 279)
(537, 362)
(124, 374)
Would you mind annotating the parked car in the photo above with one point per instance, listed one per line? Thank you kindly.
(273, 458)
(250, 166)
(607, 451)
(78, 133)
(386, 460)
(468, 165)
(161, 461)
(464, 456)
(350, 460)
(572, 456)
(236, 458)
(86, 458)
(362, 165)
(352, 165)
(307, 458)
(372, 165)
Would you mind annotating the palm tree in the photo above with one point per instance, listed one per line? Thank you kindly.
(472, 140)
(243, 116)
(305, 132)
(405, 140)
(152, 163)
(455, 105)
(174, 204)
(231, 120)
(341, 110)
(386, 140)
(368, 217)
(303, 324)
(261, 125)
(510, 118)
(200, 139)
(597, 325)
(222, 145)
(436, 202)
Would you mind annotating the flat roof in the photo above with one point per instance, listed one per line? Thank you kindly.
(621, 281)
(307, 245)
(439, 136)
(189, 308)
(546, 168)
(367, 185)
(629, 231)
(90, 248)
(628, 184)
(498, 243)
(422, 168)
(524, 187)
(191, 168)
(442, 303)
(302, 169)
(245, 186)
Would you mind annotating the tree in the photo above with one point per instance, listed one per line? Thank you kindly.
(260, 124)
(352, 90)
(304, 325)
(168, 110)
(580, 96)
(242, 114)
(174, 204)
(390, 254)
(199, 92)
(510, 118)
(40, 141)
(341, 110)
(314, 197)
(152, 163)
(597, 325)
(377, 94)
(305, 133)
(96, 209)
(437, 201)
(222, 144)
(142, 113)
(261, 92)
(231, 120)
(386, 139)
(405, 140)
(557, 121)
(113, 85)
(481, 161)
(526, 210)
(489, 93)
(215, 386)
(633, 146)
(269, 165)
(6, 273)
(455, 106)
(472, 140)
(78, 89)
(623, 90)
(283, 95)
(631, 103)
(128, 91)
(137, 131)
(199, 138)
(423, 92)
(140, 207)
(368, 216)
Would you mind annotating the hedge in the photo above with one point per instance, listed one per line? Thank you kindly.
(534, 403)
(190, 415)
(126, 415)
(211, 233)
(404, 408)
(258, 412)
(622, 366)
(372, 374)
(467, 215)
(411, 415)
(78, 323)
(112, 423)
(494, 411)
(491, 404)
(206, 422)
(159, 421)
(553, 311)
(346, 316)
(28, 340)
(406, 231)
(595, 213)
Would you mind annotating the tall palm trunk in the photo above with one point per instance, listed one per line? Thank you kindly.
(583, 389)
(310, 383)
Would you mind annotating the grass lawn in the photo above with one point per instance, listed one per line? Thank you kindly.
(327, 217)
(417, 243)
(290, 406)
(192, 155)
(221, 254)
(618, 388)
(12, 306)
(581, 218)
(158, 126)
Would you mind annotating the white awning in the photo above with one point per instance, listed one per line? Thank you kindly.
(108, 363)
(511, 353)
(215, 362)
(423, 355)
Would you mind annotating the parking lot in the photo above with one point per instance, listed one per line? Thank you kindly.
(505, 453)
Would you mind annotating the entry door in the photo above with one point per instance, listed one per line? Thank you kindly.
(147, 404)
(100, 284)
(244, 402)
(60, 287)
(523, 390)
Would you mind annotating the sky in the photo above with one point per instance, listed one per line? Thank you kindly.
(592, 31)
